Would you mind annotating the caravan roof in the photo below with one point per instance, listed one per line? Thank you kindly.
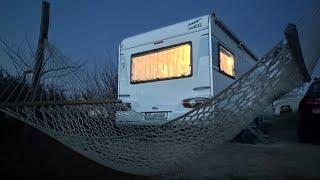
(181, 28)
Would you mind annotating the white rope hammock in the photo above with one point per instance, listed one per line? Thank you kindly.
(61, 108)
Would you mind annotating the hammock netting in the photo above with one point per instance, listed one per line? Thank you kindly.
(64, 106)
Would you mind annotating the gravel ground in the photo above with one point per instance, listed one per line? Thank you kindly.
(37, 156)
(278, 161)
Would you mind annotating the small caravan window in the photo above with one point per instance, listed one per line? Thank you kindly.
(226, 62)
(161, 64)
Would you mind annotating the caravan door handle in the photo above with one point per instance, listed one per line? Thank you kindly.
(201, 88)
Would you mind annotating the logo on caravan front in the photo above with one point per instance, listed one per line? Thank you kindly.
(195, 24)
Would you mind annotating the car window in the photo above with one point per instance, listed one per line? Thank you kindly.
(314, 89)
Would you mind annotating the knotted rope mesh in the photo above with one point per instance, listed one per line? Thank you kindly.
(66, 107)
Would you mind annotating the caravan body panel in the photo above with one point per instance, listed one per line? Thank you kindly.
(165, 96)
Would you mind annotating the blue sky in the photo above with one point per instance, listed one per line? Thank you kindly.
(88, 30)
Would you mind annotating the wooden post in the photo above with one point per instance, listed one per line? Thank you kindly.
(43, 37)
(292, 37)
(39, 57)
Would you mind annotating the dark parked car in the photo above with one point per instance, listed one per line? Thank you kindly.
(309, 111)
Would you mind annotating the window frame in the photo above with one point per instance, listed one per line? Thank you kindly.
(158, 50)
(234, 61)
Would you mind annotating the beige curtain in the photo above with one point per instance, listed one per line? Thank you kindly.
(162, 64)
(226, 62)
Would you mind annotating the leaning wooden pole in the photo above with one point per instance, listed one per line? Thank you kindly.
(43, 37)
(39, 57)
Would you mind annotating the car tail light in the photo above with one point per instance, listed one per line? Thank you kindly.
(312, 101)
(194, 102)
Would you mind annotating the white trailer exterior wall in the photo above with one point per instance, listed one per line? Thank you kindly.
(206, 79)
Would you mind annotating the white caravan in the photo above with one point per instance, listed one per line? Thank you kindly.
(166, 72)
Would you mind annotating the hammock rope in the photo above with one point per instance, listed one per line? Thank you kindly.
(66, 107)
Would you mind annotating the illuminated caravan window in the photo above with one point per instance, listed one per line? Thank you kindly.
(165, 63)
(226, 61)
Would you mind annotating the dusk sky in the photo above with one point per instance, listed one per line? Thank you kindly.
(88, 30)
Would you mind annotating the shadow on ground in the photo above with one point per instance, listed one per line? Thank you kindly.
(34, 155)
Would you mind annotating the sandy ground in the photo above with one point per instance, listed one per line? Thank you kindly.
(39, 157)
(285, 158)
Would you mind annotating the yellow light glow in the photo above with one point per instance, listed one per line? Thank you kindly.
(162, 64)
(226, 62)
